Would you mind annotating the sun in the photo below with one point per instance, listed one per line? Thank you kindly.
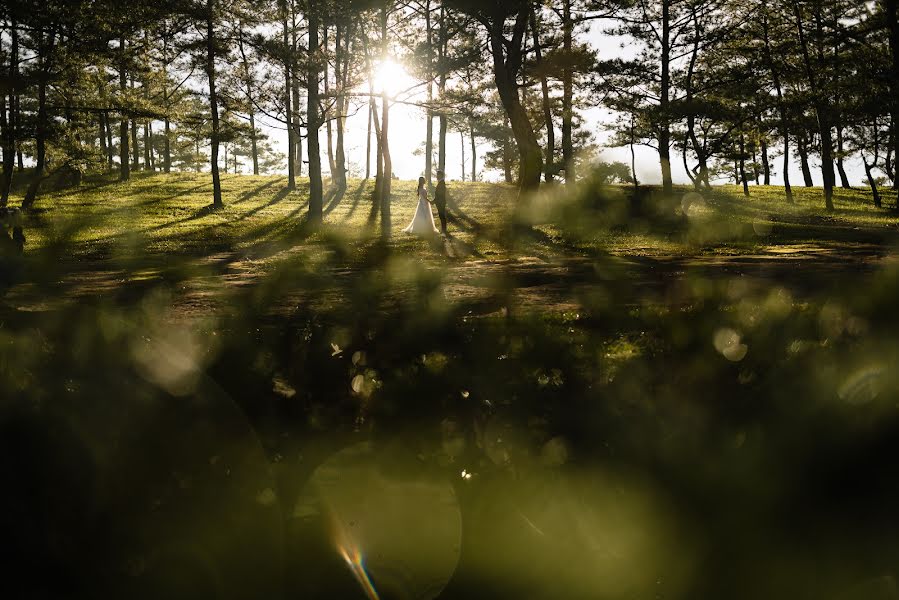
(392, 78)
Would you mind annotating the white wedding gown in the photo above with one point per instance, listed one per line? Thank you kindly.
(423, 221)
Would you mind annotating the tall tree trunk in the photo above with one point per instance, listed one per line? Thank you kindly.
(110, 149)
(893, 27)
(820, 103)
(507, 156)
(664, 125)
(213, 104)
(507, 58)
(41, 128)
(633, 153)
(11, 132)
(332, 165)
(339, 175)
(462, 146)
(135, 150)
(871, 182)
(429, 123)
(368, 138)
(441, 91)
(844, 180)
(781, 105)
(254, 149)
(802, 145)
(295, 86)
(124, 154)
(387, 175)
(8, 152)
(766, 165)
(288, 90)
(567, 93)
(474, 152)
(547, 108)
(742, 168)
(147, 148)
(313, 121)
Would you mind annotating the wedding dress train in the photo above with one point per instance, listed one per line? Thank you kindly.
(423, 221)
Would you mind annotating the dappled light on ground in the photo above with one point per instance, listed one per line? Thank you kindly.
(609, 394)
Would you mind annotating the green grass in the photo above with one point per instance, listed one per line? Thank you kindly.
(164, 215)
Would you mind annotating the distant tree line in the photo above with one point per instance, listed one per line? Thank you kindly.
(724, 86)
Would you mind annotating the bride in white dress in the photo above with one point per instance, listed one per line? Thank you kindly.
(423, 221)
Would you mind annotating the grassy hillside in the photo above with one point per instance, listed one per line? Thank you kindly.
(167, 214)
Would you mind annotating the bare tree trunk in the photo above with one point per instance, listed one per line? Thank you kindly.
(213, 104)
(313, 120)
(297, 155)
(441, 90)
(844, 180)
(742, 168)
(474, 153)
(288, 90)
(893, 27)
(11, 131)
(387, 175)
(766, 165)
(339, 175)
(368, 140)
(547, 108)
(429, 125)
(821, 109)
(507, 59)
(124, 154)
(147, 160)
(332, 165)
(664, 126)
(874, 191)
(254, 150)
(803, 160)
(41, 129)
(567, 94)
(781, 106)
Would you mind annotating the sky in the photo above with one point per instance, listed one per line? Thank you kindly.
(407, 134)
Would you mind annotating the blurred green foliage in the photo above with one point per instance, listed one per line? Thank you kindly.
(679, 398)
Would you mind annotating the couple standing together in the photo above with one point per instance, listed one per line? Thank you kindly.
(423, 221)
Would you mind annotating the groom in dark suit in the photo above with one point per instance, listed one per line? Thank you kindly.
(440, 200)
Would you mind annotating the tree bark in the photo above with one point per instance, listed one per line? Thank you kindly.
(339, 175)
(742, 169)
(474, 153)
(429, 124)
(387, 175)
(507, 59)
(441, 91)
(332, 165)
(41, 129)
(288, 90)
(313, 121)
(844, 180)
(664, 126)
(124, 154)
(213, 104)
(254, 149)
(11, 130)
(874, 191)
(766, 165)
(802, 145)
(567, 94)
(821, 110)
(893, 27)
(547, 108)
(781, 106)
